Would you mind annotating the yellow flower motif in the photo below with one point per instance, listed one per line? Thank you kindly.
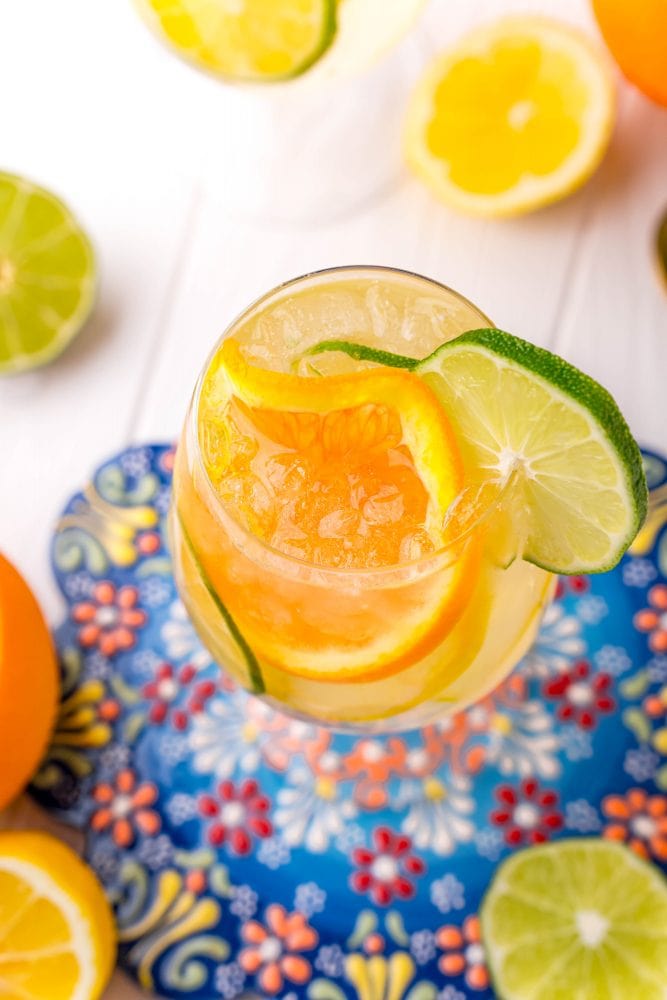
(380, 978)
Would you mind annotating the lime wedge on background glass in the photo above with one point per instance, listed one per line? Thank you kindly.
(256, 40)
(47, 275)
(520, 410)
(580, 919)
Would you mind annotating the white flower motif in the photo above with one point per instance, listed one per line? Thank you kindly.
(558, 643)
(173, 748)
(244, 902)
(451, 993)
(145, 662)
(639, 572)
(181, 808)
(154, 592)
(309, 898)
(156, 852)
(422, 946)
(518, 738)
(581, 816)
(592, 609)
(181, 640)
(312, 810)
(489, 843)
(115, 756)
(229, 980)
(162, 500)
(641, 764)
(576, 743)
(447, 893)
(98, 666)
(352, 835)
(612, 660)
(222, 738)
(105, 861)
(330, 961)
(274, 853)
(657, 669)
(437, 812)
(78, 585)
(135, 462)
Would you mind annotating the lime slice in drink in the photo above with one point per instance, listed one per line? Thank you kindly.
(520, 411)
(47, 275)
(578, 919)
(256, 40)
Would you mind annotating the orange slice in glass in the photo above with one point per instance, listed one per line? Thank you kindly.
(353, 473)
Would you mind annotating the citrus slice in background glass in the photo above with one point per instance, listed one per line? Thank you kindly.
(578, 918)
(266, 41)
(257, 40)
(517, 114)
(57, 935)
(351, 472)
(47, 275)
(520, 411)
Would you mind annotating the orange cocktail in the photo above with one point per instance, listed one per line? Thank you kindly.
(330, 544)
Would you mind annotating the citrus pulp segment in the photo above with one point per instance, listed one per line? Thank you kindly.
(577, 920)
(57, 936)
(350, 472)
(520, 410)
(258, 40)
(47, 275)
(28, 683)
(516, 115)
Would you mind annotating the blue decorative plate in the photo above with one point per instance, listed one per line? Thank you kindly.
(250, 854)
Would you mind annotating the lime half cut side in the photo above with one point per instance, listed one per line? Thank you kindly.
(47, 275)
(520, 411)
(252, 41)
(582, 919)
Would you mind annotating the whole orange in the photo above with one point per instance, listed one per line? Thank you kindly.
(28, 683)
(636, 33)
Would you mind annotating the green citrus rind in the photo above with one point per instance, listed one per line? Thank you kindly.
(22, 271)
(576, 390)
(598, 878)
(304, 61)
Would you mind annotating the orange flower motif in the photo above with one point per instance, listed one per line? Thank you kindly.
(373, 763)
(654, 619)
(124, 808)
(639, 820)
(110, 620)
(463, 953)
(270, 951)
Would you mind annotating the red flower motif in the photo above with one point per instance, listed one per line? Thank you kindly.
(463, 952)
(165, 688)
(124, 808)
(384, 871)
(110, 619)
(638, 819)
(271, 951)
(527, 813)
(654, 619)
(572, 585)
(583, 696)
(239, 813)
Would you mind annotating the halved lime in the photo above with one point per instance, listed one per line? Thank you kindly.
(520, 410)
(580, 919)
(47, 275)
(255, 40)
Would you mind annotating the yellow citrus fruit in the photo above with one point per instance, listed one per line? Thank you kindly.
(28, 683)
(353, 472)
(636, 34)
(57, 935)
(516, 115)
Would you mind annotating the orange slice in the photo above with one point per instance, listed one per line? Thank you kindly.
(352, 472)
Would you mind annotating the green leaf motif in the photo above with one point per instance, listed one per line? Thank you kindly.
(324, 989)
(183, 972)
(636, 686)
(74, 548)
(111, 484)
(422, 991)
(366, 923)
(637, 723)
(396, 928)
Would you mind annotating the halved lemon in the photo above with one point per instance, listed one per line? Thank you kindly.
(350, 472)
(57, 935)
(516, 115)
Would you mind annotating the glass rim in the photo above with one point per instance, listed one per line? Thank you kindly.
(422, 564)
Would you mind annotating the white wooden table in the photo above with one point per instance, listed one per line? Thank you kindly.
(94, 109)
